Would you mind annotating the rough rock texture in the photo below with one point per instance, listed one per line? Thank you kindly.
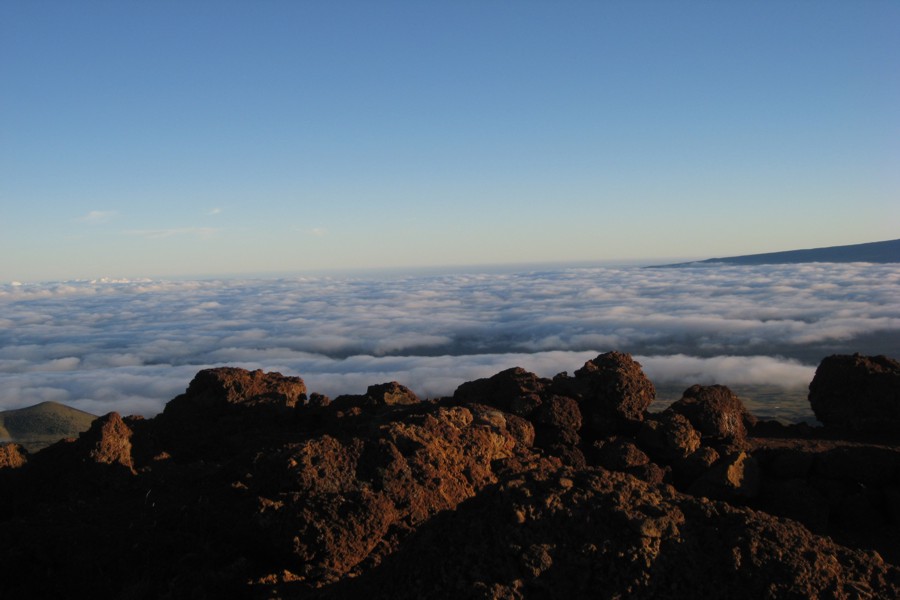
(216, 390)
(383, 394)
(734, 478)
(714, 411)
(12, 456)
(108, 441)
(669, 436)
(537, 535)
(513, 390)
(513, 488)
(221, 405)
(611, 390)
(859, 393)
(391, 393)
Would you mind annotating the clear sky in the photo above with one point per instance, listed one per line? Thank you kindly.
(157, 139)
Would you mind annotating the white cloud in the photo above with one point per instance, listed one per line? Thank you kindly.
(98, 216)
(132, 345)
(152, 234)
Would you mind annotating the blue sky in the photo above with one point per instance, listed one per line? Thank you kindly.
(164, 139)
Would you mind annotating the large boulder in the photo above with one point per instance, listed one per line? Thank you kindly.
(734, 478)
(107, 442)
(514, 390)
(382, 394)
(12, 456)
(221, 407)
(668, 436)
(859, 393)
(714, 411)
(613, 393)
(391, 394)
(216, 391)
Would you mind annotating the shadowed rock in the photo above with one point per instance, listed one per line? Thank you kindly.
(562, 533)
(734, 478)
(859, 393)
(514, 390)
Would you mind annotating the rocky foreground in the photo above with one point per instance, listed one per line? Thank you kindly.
(246, 486)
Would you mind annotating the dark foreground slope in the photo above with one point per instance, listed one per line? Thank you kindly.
(516, 487)
(873, 252)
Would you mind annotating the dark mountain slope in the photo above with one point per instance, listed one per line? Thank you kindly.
(873, 252)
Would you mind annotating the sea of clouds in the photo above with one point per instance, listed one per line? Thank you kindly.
(130, 346)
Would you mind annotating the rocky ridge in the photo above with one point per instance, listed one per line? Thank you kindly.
(517, 486)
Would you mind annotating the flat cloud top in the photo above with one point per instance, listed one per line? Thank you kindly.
(130, 346)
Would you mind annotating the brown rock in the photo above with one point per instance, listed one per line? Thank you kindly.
(694, 466)
(514, 390)
(714, 411)
(733, 478)
(107, 442)
(391, 394)
(619, 454)
(220, 408)
(337, 502)
(859, 393)
(241, 483)
(569, 533)
(668, 436)
(215, 391)
(12, 456)
(561, 412)
(611, 390)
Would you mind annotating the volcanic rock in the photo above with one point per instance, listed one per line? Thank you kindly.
(668, 436)
(733, 478)
(12, 456)
(514, 390)
(619, 454)
(859, 393)
(611, 390)
(714, 411)
(244, 489)
(220, 406)
(391, 394)
(538, 535)
(108, 442)
(383, 394)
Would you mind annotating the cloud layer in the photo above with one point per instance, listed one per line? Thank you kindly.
(132, 345)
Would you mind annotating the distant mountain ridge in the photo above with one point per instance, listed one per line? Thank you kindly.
(872, 252)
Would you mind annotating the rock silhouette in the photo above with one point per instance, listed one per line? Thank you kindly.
(517, 486)
(858, 393)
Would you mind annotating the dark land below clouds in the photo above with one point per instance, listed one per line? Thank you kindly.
(871, 252)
